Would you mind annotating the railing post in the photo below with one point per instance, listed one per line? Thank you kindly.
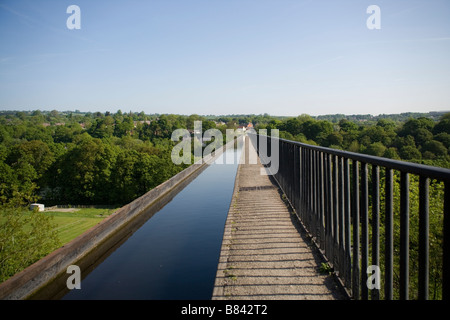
(322, 201)
(424, 183)
(347, 216)
(364, 230)
(341, 217)
(257, 144)
(297, 178)
(303, 183)
(375, 223)
(446, 253)
(404, 236)
(336, 230)
(329, 221)
(389, 234)
(355, 215)
(312, 187)
(316, 193)
(292, 174)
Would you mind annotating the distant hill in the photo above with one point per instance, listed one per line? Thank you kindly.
(400, 117)
(335, 118)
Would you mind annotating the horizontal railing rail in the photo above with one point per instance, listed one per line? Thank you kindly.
(357, 208)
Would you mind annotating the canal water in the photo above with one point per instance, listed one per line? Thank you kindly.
(174, 254)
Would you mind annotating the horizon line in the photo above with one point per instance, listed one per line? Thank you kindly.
(230, 114)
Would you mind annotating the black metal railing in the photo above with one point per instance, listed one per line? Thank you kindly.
(357, 209)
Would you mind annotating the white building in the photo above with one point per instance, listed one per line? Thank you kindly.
(40, 206)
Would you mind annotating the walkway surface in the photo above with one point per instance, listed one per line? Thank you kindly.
(265, 252)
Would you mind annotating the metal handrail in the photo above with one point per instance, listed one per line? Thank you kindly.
(330, 191)
(410, 167)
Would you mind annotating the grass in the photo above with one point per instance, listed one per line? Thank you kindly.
(230, 275)
(71, 224)
(19, 228)
(325, 268)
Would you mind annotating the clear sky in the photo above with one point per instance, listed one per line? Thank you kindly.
(281, 57)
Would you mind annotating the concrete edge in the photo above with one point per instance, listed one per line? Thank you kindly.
(219, 286)
(33, 278)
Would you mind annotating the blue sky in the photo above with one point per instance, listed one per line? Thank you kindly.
(281, 57)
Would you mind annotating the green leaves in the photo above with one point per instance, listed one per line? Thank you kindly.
(25, 237)
(109, 171)
(436, 201)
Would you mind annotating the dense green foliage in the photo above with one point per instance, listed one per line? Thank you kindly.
(25, 237)
(422, 139)
(111, 159)
(84, 159)
(436, 210)
(103, 158)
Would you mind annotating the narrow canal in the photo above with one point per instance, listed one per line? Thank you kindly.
(174, 254)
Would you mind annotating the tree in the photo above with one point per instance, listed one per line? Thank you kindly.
(347, 126)
(7, 182)
(124, 128)
(391, 153)
(66, 134)
(436, 192)
(160, 128)
(286, 135)
(354, 146)
(376, 134)
(190, 121)
(411, 126)
(273, 124)
(317, 130)
(25, 238)
(54, 113)
(443, 137)
(293, 126)
(102, 127)
(334, 138)
(84, 172)
(206, 125)
(386, 124)
(443, 125)
(409, 152)
(35, 152)
(400, 142)
(376, 149)
(124, 188)
(22, 170)
(435, 147)
(423, 136)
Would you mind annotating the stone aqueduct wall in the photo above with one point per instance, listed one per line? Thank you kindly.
(26, 283)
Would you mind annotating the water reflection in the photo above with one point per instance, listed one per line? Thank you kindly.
(174, 254)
